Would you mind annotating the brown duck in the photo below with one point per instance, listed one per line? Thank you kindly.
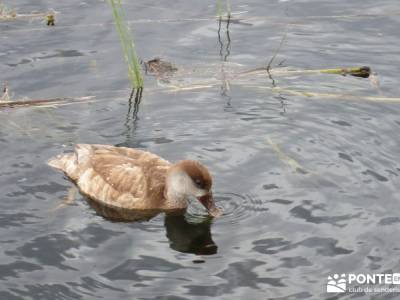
(133, 179)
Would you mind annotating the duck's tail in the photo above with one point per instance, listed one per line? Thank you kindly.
(60, 161)
(72, 163)
(66, 163)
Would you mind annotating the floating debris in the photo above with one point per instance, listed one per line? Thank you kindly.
(245, 80)
(286, 159)
(335, 96)
(50, 19)
(52, 102)
(363, 72)
(163, 70)
(159, 67)
(7, 14)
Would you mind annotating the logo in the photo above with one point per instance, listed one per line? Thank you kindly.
(336, 283)
(364, 283)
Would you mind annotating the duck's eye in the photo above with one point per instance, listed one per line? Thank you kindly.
(199, 183)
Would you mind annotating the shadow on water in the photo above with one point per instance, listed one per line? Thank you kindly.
(184, 234)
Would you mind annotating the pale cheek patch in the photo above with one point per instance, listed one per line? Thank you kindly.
(200, 193)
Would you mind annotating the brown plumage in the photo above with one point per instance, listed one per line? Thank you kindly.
(199, 174)
(135, 179)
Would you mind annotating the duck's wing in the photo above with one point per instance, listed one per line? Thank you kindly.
(120, 176)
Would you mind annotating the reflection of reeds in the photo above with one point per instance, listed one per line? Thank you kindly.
(127, 44)
(132, 115)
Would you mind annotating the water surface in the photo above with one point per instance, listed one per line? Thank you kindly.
(284, 229)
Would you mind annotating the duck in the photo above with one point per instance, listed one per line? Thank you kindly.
(133, 179)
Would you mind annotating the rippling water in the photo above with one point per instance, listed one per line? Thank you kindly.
(309, 183)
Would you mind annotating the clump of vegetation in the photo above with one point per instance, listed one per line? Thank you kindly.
(127, 44)
(50, 19)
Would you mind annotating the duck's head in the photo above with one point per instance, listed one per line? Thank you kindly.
(189, 178)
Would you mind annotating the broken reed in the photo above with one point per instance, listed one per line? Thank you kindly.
(364, 72)
(127, 44)
(219, 9)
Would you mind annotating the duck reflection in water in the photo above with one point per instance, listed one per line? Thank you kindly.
(186, 234)
(190, 235)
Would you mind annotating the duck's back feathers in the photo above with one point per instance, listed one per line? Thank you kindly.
(116, 176)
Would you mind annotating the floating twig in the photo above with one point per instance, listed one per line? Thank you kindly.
(269, 66)
(311, 94)
(7, 14)
(363, 72)
(287, 159)
(44, 102)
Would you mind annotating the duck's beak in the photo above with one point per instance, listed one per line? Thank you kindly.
(208, 202)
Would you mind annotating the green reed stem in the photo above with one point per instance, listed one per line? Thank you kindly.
(228, 8)
(127, 44)
(219, 8)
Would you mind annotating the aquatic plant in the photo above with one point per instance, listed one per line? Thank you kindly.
(219, 9)
(50, 19)
(127, 43)
(228, 8)
(363, 72)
